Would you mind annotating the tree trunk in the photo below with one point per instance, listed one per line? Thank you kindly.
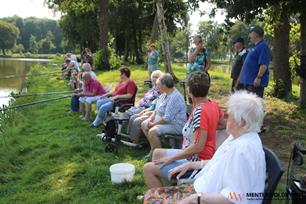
(3, 52)
(103, 35)
(126, 46)
(136, 49)
(281, 68)
(303, 57)
(164, 38)
(154, 31)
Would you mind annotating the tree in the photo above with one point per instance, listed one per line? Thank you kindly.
(34, 46)
(46, 44)
(164, 38)
(9, 34)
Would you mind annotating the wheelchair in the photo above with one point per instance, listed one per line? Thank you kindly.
(296, 178)
(113, 123)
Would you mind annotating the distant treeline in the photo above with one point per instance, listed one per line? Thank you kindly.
(37, 35)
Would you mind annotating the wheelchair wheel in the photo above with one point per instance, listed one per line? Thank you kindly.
(111, 147)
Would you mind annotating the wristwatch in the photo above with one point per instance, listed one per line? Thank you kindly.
(199, 198)
(259, 77)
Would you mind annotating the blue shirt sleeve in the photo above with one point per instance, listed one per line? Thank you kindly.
(264, 56)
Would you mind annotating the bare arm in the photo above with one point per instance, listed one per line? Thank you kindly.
(262, 70)
(205, 199)
(208, 65)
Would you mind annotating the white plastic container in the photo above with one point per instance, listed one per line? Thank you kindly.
(122, 172)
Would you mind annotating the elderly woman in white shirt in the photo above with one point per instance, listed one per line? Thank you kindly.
(238, 167)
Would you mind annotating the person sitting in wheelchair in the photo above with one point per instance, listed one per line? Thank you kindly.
(126, 89)
(148, 97)
(238, 167)
(199, 133)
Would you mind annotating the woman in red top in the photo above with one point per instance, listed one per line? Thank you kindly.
(126, 89)
(199, 133)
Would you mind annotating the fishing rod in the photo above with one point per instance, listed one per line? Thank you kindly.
(34, 103)
(16, 76)
(36, 94)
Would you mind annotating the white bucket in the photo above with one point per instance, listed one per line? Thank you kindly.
(122, 172)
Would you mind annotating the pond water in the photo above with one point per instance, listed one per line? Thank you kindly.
(12, 75)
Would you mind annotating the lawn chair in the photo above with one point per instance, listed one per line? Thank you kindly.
(296, 187)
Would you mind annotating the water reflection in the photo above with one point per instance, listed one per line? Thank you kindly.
(18, 67)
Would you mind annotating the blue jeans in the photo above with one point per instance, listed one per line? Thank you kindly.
(103, 106)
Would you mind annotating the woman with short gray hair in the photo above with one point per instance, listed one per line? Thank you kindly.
(169, 116)
(238, 166)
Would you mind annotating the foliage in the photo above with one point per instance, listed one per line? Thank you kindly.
(38, 28)
(18, 49)
(9, 33)
(214, 38)
(46, 45)
(114, 60)
(34, 46)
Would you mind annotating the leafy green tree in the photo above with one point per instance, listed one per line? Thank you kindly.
(34, 46)
(18, 49)
(46, 44)
(9, 34)
(214, 38)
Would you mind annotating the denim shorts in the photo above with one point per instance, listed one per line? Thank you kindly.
(170, 152)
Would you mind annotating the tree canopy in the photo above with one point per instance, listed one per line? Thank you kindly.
(9, 33)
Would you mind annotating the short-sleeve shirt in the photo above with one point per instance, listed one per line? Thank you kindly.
(258, 55)
(128, 87)
(238, 63)
(205, 117)
(238, 166)
(172, 109)
(152, 61)
(198, 62)
(94, 85)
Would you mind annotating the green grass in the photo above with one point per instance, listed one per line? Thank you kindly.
(48, 155)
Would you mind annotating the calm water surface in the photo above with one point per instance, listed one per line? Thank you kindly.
(12, 75)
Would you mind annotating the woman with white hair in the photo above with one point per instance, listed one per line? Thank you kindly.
(238, 167)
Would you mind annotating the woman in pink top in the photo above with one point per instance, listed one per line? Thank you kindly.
(126, 89)
(93, 90)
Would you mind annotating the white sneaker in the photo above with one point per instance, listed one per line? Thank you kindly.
(101, 135)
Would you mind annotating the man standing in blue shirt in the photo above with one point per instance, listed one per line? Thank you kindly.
(255, 73)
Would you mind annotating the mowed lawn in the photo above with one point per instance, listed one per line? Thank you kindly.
(48, 155)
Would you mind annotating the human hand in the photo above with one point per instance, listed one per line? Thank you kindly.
(190, 199)
(181, 170)
(150, 124)
(163, 161)
(257, 82)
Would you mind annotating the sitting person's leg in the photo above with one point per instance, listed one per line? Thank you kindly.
(134, 127)
(82, 106)
(155, 171)
(88, 102)
(105, 107)
(169, 194)
(155, 132)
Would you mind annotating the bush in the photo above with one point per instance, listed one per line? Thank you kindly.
(114, 60)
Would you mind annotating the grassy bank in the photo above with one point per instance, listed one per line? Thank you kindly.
(48, 155)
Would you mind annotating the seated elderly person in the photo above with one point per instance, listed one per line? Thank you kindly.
(148, 97)
(126, 89)
(199, 133)
(169, 116)
(134, 126)
(87, 68)
(93, 90)
(238, 166)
